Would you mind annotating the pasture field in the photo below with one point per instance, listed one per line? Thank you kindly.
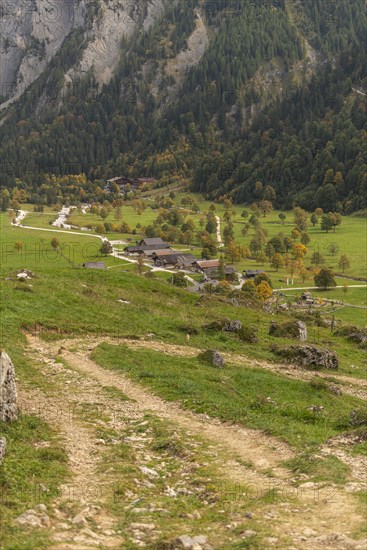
(70, 299)
(350, 237)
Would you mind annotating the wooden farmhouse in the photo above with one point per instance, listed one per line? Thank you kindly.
(174, 259)
(146, 246)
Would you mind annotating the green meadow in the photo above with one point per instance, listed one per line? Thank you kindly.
(350, 237)
(230, 394)
(64, 300)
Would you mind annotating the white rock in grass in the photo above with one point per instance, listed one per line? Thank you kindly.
(8, 390)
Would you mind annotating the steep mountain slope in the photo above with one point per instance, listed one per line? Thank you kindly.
(31, 33)
(272, 90)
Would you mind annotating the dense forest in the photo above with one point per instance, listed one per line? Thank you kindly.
(307, 139)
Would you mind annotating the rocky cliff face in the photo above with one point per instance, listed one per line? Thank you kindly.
(33, 31)
(116, 19)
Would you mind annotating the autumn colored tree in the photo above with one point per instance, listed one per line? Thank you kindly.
(305, 238)
(336, 219)
(264, 291)
(299, 251)
(296, 234)
(55, 243)
(344, 262)
(277, 261)
(303, 273)
(18, 245)
(265, 207)
(100, 229)
(317, 258)
(300, 218)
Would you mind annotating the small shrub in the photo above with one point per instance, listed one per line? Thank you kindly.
(354, 334)
(179, 279)
(319, 383)
(285, 330)
(262, 277)
(188, 329)
(248, 334)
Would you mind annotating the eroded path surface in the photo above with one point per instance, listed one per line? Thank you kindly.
(356, 387)
(87, 405)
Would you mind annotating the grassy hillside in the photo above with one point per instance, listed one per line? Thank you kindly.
(150, 345)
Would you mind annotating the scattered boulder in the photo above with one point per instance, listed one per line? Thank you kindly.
(225, 324)
(191, 543)
(34, 518)
(354, 334)
(316, 408)
(293, 329)
(216, 325)
(248, 533)
(79, 519)
(8, 390)
(2, 448)
(358, 417)
(212, 357)
(143, 526)
(232, 326)
(149, 471)
(308, 356)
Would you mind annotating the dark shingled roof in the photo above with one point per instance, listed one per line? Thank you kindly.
(176, 258)
(186, 260)
(154, 241)
(208, 264)
(253, 272)
(144, 248)
(154, 251)
(213, 272)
